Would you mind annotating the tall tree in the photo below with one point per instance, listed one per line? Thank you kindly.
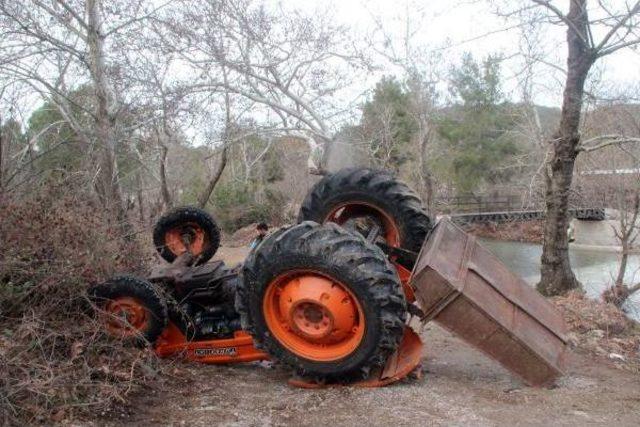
(476, 130)
(619, 26)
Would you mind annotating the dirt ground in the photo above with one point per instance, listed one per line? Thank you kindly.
(459, 387)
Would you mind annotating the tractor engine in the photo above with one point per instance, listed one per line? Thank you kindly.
(218, 321)
(204, 298)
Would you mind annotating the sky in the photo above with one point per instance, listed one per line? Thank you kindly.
(452, 27)
(455, 26)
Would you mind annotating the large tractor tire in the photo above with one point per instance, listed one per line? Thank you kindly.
(186, 229)
(131, 309)
(322, 301)
(361, 198)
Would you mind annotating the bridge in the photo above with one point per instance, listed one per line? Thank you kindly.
(588, 214)
(468, 209)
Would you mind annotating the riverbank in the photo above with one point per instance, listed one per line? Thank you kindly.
(517, 231)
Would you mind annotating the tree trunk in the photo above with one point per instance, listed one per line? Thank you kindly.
(427, 179)
(623, 263)
(140, 197)
(556, 274)
(322, 164)
(425, 173)
(164, 186)
(215, 177)
(108, 185)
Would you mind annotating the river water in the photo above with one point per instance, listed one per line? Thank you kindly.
(595, 269)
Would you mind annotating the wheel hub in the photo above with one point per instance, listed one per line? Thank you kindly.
(314, 316)
(362, 217)
(312, 319)
(125, 316)
(188, 237)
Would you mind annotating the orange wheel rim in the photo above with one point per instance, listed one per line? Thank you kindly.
(362, 210)
(314, 316)
(187, 237)
(125, 316)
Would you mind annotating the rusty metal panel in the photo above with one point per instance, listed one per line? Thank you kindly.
(466, 289)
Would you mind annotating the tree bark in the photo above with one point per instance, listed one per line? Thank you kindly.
(623, 264)
(215, 177)
(425, 174)
(164, 186)
(556, 274)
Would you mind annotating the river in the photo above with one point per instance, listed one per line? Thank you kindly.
(595, 269)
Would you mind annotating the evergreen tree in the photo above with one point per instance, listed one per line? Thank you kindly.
(476, 131)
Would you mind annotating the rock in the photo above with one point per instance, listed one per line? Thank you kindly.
(600, 351)
(572, 339)
(595, 333)
(616, 356)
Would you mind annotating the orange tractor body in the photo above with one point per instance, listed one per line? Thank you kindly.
(240, 348)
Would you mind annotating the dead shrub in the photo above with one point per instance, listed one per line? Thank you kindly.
(601, 329)
(55, 361)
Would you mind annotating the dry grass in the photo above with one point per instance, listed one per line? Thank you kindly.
(55, 362)
(601, 329)
(515, 231)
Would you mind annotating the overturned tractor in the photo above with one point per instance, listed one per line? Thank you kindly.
(331, 296)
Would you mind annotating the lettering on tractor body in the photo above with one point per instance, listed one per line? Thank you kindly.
(216, 351)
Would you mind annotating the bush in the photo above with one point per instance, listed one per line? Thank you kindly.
(235, 205)
(55, 361)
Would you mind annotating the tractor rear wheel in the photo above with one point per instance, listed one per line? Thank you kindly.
(185, 229)
(362, 198)
(131, 309)
(323, 301)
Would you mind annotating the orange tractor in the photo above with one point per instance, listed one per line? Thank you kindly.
(327, 297)
(331, 296)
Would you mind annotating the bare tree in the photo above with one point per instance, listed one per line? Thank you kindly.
(619, 26)
(222, 162)
(288, 65)
(609, 175)
(423, 108)
(422, 67)
(618, 184)
(59, 46)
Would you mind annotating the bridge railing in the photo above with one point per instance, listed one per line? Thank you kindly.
(478, 204)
